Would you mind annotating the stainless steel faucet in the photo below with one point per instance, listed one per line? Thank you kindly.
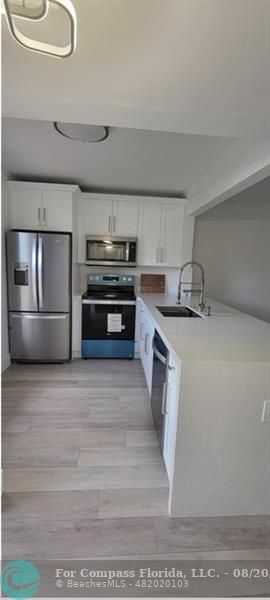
(198, 287)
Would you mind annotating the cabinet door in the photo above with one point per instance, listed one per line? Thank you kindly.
(57, 210)
(149, 234)
(95, 218)
(25, 206)
(98, 214)
(77, 326)
(141, 325)
(148, 334)
(125, 218)
(170, 424)
(139, 315)
(172, 235)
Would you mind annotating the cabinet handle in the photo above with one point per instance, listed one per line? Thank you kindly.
(161, 255)
(114, 221)
(171, 368)
(157, 255)
(146, 349)
(39, 216)
(141, 332)
(164, 399)
(44, 216)
(109, 226)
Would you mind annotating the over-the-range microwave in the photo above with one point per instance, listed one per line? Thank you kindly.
(110, 250)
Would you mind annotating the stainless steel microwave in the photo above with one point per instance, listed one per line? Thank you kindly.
(109, 250)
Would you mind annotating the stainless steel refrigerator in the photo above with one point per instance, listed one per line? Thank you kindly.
(39, 295)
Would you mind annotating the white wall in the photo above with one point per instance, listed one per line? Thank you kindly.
(5, 356)
(232, 241)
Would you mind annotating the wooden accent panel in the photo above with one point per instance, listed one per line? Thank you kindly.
(152, 283)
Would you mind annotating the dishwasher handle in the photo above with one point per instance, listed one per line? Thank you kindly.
(160, 356)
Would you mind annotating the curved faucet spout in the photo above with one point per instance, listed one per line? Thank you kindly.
(193, 286)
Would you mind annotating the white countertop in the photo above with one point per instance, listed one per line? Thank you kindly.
(227, 335)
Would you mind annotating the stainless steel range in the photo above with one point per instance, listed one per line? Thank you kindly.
(108, 316)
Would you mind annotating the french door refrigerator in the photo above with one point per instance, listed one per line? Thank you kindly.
(39, 295)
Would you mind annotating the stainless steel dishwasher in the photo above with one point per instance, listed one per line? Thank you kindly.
(159, 387)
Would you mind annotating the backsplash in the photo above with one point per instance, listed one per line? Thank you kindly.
(171, 275)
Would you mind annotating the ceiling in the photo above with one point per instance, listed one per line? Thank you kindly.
(187, 66)
(243, 205)
(128, 161)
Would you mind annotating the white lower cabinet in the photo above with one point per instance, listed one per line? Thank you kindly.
(147, 331)
(76, 326)
(170, 425)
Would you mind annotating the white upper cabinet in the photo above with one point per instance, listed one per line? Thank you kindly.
(40, 206)
(161, 234)
(172, 230)
(149, 234)
(125, 218)
(105, 215)
(25, 208)
(94, 218)
(102, 214)
(158, 223)
(57, 210)
(95, 215)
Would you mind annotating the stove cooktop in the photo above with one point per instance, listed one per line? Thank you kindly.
(109, 295)
(109, 287)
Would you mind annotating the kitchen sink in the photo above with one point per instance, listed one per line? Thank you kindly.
(177, 311)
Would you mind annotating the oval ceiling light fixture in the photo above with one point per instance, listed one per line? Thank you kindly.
(24, 9)
(12, 11)
(88, 134)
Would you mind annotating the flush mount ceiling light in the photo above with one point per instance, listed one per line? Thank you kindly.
(82, 133)
(36, 11)
(28, 9)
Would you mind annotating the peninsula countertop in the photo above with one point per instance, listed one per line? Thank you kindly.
(227, 335)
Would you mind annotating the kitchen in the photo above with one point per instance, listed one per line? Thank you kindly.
(143, 398)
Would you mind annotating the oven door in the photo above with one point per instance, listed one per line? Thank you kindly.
(111, 251)
(108, 320)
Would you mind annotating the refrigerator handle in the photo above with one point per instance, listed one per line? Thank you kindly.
(40, 271)
(34, 270)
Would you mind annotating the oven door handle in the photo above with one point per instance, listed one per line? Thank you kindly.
(111, 302)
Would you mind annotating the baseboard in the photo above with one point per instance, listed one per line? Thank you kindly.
(5, 362)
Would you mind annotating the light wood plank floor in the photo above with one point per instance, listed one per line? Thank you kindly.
(83, 476)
